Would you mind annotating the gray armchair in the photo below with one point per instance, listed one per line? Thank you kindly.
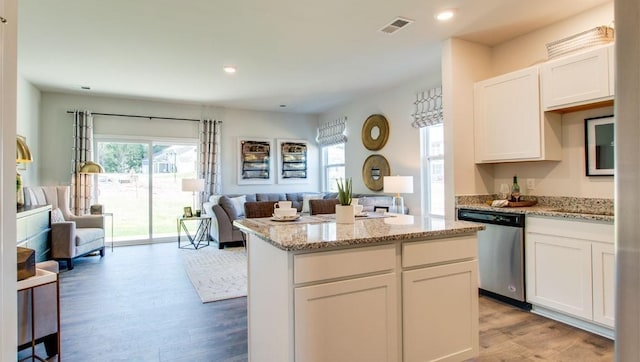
(75, 235)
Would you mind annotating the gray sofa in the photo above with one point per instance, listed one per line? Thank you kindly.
(224, 209)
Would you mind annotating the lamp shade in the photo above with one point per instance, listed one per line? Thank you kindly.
(398, 184)
(23, 154)
(91, 167)
(193, 184)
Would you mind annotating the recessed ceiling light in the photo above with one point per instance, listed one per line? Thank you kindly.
(85, 87)
(283, 106)
(445, 15)
(230, 69)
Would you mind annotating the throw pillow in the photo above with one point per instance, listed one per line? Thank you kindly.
(238, 204)
(56, 215)
(233, 206)
(307, 197)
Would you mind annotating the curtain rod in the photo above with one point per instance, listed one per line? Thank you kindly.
(149, 117)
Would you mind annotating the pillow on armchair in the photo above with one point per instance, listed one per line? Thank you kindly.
(56, 216)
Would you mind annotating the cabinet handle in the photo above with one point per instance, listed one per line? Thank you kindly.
(3, 20)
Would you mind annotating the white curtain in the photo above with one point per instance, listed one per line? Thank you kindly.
(81, 190)
(209, 168)
(332, 133)
(428, 108)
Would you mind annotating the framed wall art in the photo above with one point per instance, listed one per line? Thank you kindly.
(255, 161)
(599, 146)
(292, 161)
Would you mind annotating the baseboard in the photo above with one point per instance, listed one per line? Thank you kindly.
(575, 322)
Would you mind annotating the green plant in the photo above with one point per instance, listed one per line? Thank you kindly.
(344, 191)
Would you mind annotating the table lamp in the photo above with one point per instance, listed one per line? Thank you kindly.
(193, 185)
(398, 185)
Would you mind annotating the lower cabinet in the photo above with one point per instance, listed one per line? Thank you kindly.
(445, 296)
(404, 301)
(351, 320)
(570, 268)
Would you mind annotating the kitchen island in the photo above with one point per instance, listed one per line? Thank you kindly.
(393, 288)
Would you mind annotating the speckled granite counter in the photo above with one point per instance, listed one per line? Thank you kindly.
(564, 207)
(325, 234)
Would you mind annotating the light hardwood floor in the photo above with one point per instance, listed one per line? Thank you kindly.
(137, 304)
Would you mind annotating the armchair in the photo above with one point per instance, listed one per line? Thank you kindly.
(71, 236)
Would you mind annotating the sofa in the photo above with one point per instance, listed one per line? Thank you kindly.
(224, 209)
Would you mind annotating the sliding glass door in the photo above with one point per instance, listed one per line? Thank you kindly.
(141, 187)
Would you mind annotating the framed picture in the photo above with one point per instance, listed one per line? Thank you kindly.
(599, 146)
(255, 161)
(187, 212)
(292, 161)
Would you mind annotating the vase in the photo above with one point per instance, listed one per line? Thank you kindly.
(345, 214)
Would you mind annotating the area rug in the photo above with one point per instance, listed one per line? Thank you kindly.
(217, 274)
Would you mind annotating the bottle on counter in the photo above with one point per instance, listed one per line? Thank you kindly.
(515, 190)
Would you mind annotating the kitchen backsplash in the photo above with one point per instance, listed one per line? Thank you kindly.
(576, 204)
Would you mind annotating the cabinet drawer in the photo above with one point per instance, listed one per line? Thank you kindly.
(343, 263)
(585, 230)
(439, 251)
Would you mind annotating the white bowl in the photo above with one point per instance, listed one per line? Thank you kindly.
(280, 212)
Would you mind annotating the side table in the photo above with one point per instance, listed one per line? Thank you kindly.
(33, 286)
(200, 238)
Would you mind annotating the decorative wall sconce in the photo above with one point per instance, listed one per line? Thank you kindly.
(91, 167)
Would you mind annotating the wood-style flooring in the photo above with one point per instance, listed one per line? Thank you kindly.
(137, 304)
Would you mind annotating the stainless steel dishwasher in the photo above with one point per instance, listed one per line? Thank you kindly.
(500, 254)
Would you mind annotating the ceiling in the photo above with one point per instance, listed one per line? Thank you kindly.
(307, 55)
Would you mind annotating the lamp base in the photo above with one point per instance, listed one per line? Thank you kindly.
(398, 205)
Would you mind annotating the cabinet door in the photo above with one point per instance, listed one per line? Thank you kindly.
(351, 320)
(603, 283)
(440, 312)
(576, 79)
(507, 117)
(559, 273)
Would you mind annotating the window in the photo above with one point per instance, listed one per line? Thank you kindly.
(333, 160)
(141, 186)
(433, 137)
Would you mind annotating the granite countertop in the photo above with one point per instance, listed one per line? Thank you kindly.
(568, 212)
(318, 233)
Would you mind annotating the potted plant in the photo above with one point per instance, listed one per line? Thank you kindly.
(345, 211)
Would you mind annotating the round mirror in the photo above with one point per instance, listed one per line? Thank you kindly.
(374, 169)
(375, 132)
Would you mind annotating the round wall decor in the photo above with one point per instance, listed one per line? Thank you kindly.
(375, 132)
(375, 167)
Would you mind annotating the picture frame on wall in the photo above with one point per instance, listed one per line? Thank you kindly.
(293, 161)
(599, 146)
(255, 161)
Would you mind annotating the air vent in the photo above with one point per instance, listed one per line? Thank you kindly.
(395, 25)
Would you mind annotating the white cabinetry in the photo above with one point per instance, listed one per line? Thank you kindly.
(346, 320)
(570, 269)
(578, 79)
(443, 295)
(509, 123)
(348, 304)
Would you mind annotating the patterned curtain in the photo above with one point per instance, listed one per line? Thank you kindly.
(332, 133)
(81, 190)
(209, 168)
(428, 108)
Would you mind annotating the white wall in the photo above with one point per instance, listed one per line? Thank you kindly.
(463, 63)
(567, 177)
(402, 150)
(28, 114)
(56, 123)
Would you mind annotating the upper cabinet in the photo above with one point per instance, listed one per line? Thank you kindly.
(578, 79)
(509, 123)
